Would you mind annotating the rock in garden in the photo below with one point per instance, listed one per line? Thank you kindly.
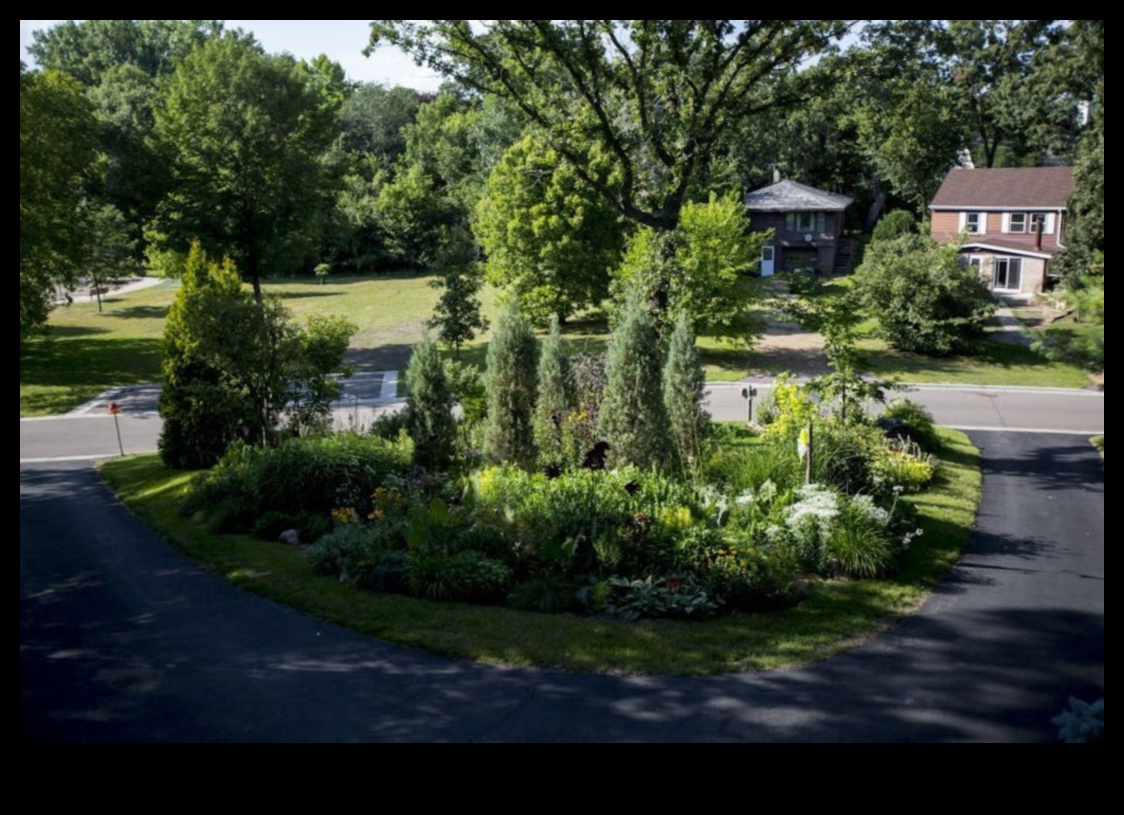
(291, 537)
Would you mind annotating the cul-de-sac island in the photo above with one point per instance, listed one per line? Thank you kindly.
(578, 380)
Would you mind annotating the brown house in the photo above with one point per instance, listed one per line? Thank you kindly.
(807, 227)
(1010, 222)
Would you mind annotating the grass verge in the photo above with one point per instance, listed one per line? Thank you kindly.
(1098, 442)
(836, 617)
(992, 363)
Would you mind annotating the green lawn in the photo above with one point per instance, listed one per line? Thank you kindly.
(86, 353)
(993, 364)
(836, 617)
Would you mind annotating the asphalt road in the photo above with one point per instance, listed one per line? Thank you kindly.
(91, 433)
(122, 640)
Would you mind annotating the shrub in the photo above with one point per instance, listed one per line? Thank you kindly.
(675, 598)
(549, 594)
(789, 410)
(903, 465)
(838, 536)
(845, 455)
(633, 417)
(745, 467)
(896, 224)
(926, 300)
(859, 546)
(511, 379)
(355, 554)
(301, 476)
(234, 367)
(684, 390)
(468, 390)
(555, 397)
(429, 409)
(467, 577)
(906, 419)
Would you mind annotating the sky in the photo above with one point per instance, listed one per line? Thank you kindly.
(342, 40)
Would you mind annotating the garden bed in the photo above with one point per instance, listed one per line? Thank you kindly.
(835, 615)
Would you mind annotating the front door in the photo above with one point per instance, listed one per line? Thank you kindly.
(768, 261)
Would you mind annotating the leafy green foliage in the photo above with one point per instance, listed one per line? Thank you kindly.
(56, 152)
(315, 475)
(665, 598)
(110, 249)
(700, 269)
(909, 420)
(429, 409)
(468, 577)
(654, 95)
(248, 133)
(684, 390)
(550, 240)
(556, 398)
(233, 368)
(903, 465)
(511, 384)
(894, 225)
(457, 315)
(633, 418)
(925, 298)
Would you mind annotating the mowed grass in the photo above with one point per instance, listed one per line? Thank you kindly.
(85, 353)
(992, 363)
(836, 617)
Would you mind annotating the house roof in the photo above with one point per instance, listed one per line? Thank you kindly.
(1014, 247)
(791, 196)
(1007, 188)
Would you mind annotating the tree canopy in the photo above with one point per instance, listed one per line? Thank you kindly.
(57, 150)
(655, 95)
(248, 133)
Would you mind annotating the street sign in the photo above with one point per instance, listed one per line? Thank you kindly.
(115, 411)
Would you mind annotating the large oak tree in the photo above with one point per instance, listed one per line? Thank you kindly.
(655, 95)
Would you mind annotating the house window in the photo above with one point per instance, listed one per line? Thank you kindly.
(974, 223)
(1008, 274)
(806, 222)
(1030, 223)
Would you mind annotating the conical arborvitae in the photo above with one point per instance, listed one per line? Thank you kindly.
(555, 397)
(633, 417)
(512, 362)
(684, 389)
(429, 418)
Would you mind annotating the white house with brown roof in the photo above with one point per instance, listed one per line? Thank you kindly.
(1010, 220)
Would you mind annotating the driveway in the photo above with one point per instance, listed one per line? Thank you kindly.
(122, 640)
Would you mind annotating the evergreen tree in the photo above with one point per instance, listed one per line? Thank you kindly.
(457, 315)
(684, 389)
(556, 396)
(633, 417)
(512, 360)
(429, 411)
